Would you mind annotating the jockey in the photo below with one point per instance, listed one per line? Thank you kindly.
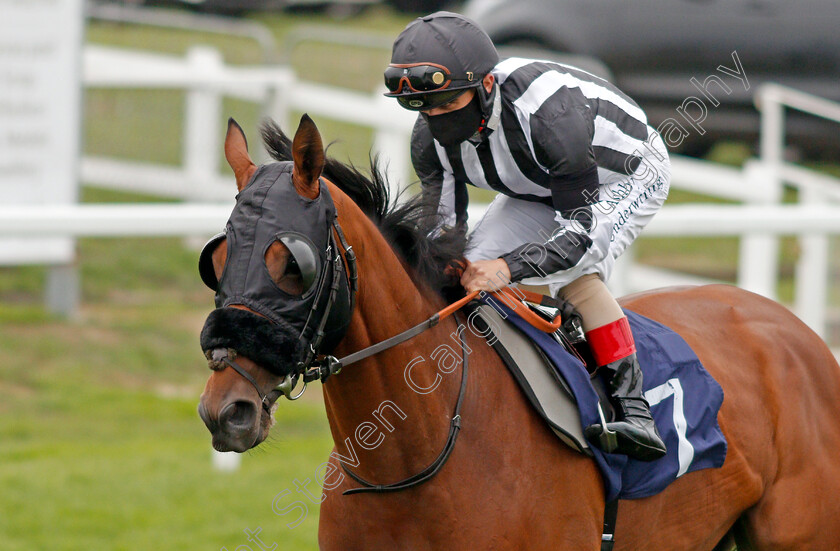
(578, 172)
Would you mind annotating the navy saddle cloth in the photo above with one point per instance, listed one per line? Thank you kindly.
(684, 402)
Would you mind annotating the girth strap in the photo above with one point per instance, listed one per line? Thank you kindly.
(437, 464)
(610, 516)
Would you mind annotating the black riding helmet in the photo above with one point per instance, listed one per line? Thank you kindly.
(437, 58)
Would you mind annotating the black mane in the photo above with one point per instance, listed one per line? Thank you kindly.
(405, 225)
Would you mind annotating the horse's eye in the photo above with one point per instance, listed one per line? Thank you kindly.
(293, 264)
(292, 267)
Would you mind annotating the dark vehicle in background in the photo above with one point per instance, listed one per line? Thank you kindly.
(653, 48)
(239, 7)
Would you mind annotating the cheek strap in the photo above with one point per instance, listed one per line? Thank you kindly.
(273, 346)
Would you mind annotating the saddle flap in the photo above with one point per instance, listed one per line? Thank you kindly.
(542, 385)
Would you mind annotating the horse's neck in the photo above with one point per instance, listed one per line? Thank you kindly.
(389, 413)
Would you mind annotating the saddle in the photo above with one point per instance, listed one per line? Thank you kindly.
(555, 372)
(541, 383)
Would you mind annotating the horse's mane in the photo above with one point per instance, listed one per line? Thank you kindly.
(407, 225)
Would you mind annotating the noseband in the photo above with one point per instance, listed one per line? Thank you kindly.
(220, 358)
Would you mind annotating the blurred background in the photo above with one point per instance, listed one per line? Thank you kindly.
(101, 304)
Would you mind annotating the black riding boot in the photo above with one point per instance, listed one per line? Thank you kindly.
(635, 430)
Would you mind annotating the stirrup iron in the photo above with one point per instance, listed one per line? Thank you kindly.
(607, 439)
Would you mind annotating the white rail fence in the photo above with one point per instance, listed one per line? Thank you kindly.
(758, 220)
(813, 267)
(207, 80)
(155, 220)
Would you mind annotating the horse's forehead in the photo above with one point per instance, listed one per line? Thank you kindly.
(271, 193)
(270, 205)
(264, 180)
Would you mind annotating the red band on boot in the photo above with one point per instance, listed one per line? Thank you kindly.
(611, 342)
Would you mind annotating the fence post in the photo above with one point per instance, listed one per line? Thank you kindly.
(758, 264)
(393, 144)
(276, 104)
(758, 258)
(812, 269)
(226, 461)
(201, 122)
(63, 290)
(620, 282)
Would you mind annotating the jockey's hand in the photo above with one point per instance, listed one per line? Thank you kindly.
(483, 275)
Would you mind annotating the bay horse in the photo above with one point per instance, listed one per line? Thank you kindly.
(509, 482)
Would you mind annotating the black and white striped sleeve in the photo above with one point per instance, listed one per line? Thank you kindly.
(562, 139)
(437, 181)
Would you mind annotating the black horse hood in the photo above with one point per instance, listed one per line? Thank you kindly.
(269, 209)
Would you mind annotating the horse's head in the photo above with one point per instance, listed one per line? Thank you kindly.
(281, 296)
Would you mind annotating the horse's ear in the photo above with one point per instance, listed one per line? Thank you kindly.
(308, 154)
(236, 153)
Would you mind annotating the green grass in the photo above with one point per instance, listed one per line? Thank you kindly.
(93, 467)
(102, 447)
(101, 444)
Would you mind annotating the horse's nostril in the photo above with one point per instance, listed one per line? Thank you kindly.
(240, 414)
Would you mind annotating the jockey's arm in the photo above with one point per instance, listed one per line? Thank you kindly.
(566, 153)
(440, 189)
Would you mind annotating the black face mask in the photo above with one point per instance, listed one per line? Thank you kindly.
(269, 209)
(456, 126)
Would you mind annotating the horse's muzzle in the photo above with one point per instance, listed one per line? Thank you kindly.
(237, 428)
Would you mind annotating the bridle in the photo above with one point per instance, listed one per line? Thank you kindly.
(330, 365)
(312, 367)
(309, 368)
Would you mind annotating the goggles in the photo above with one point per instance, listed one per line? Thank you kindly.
(422, 86)
(424, 102)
